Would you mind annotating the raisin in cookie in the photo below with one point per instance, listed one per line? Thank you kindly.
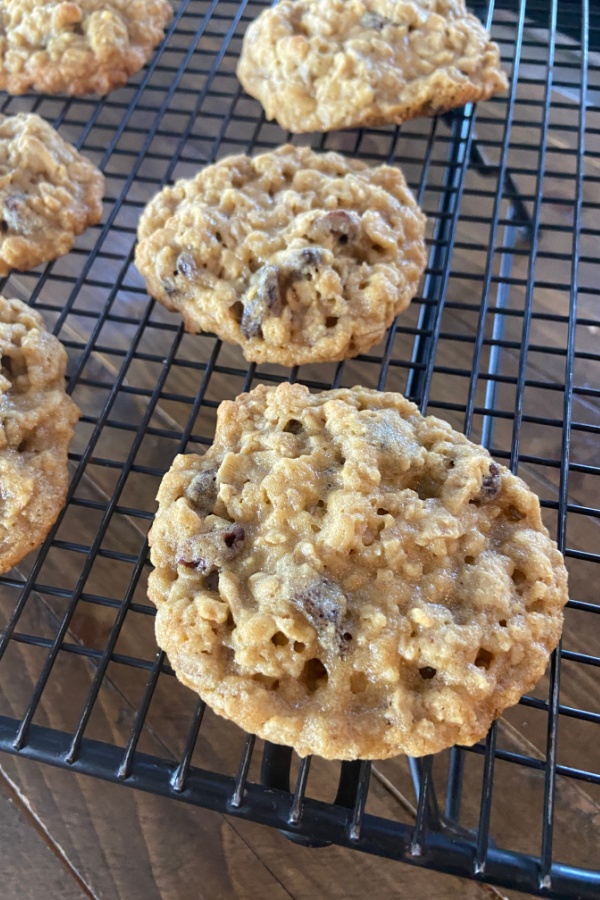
(83, 47)
(36, 427)
(342, 575)
(317, 65)
(296, 256)
(49, 193)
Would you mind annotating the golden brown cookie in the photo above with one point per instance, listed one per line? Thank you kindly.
(49, 193)
(83, 47)
(318, 65)
(36, 427)
(296, 256)
(344, 576)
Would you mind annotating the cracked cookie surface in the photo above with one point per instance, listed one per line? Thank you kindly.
(318, 65)
(345, 576)
(83, 47)
(36, 427)
(49, 193)
(296, 256)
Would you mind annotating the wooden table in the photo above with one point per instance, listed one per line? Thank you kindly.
(67, 836)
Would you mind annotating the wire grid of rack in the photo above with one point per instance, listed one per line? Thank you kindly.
(501, 341)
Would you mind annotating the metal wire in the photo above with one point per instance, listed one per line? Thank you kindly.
(486, 177)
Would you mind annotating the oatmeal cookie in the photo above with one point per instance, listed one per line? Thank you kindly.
(83, 47)
(296, 256)
(36, 427)
(344, 576)
(317, 65)
(49, 193)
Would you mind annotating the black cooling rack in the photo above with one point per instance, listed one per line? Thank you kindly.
(502, 341)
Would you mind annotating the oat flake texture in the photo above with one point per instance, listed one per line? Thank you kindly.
(296, 256)
(342, 575)
(83, 47)
(318, 65)
(36, 428)
(49, 193)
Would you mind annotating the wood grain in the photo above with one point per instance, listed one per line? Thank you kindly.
(32, 867)
(107, 842)
(128, 844)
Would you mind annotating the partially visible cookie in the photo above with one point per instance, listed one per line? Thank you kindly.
(342, 575)
(318, 65)
(36, 427)
(83, 47)
(49, 193)
(296, 256)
